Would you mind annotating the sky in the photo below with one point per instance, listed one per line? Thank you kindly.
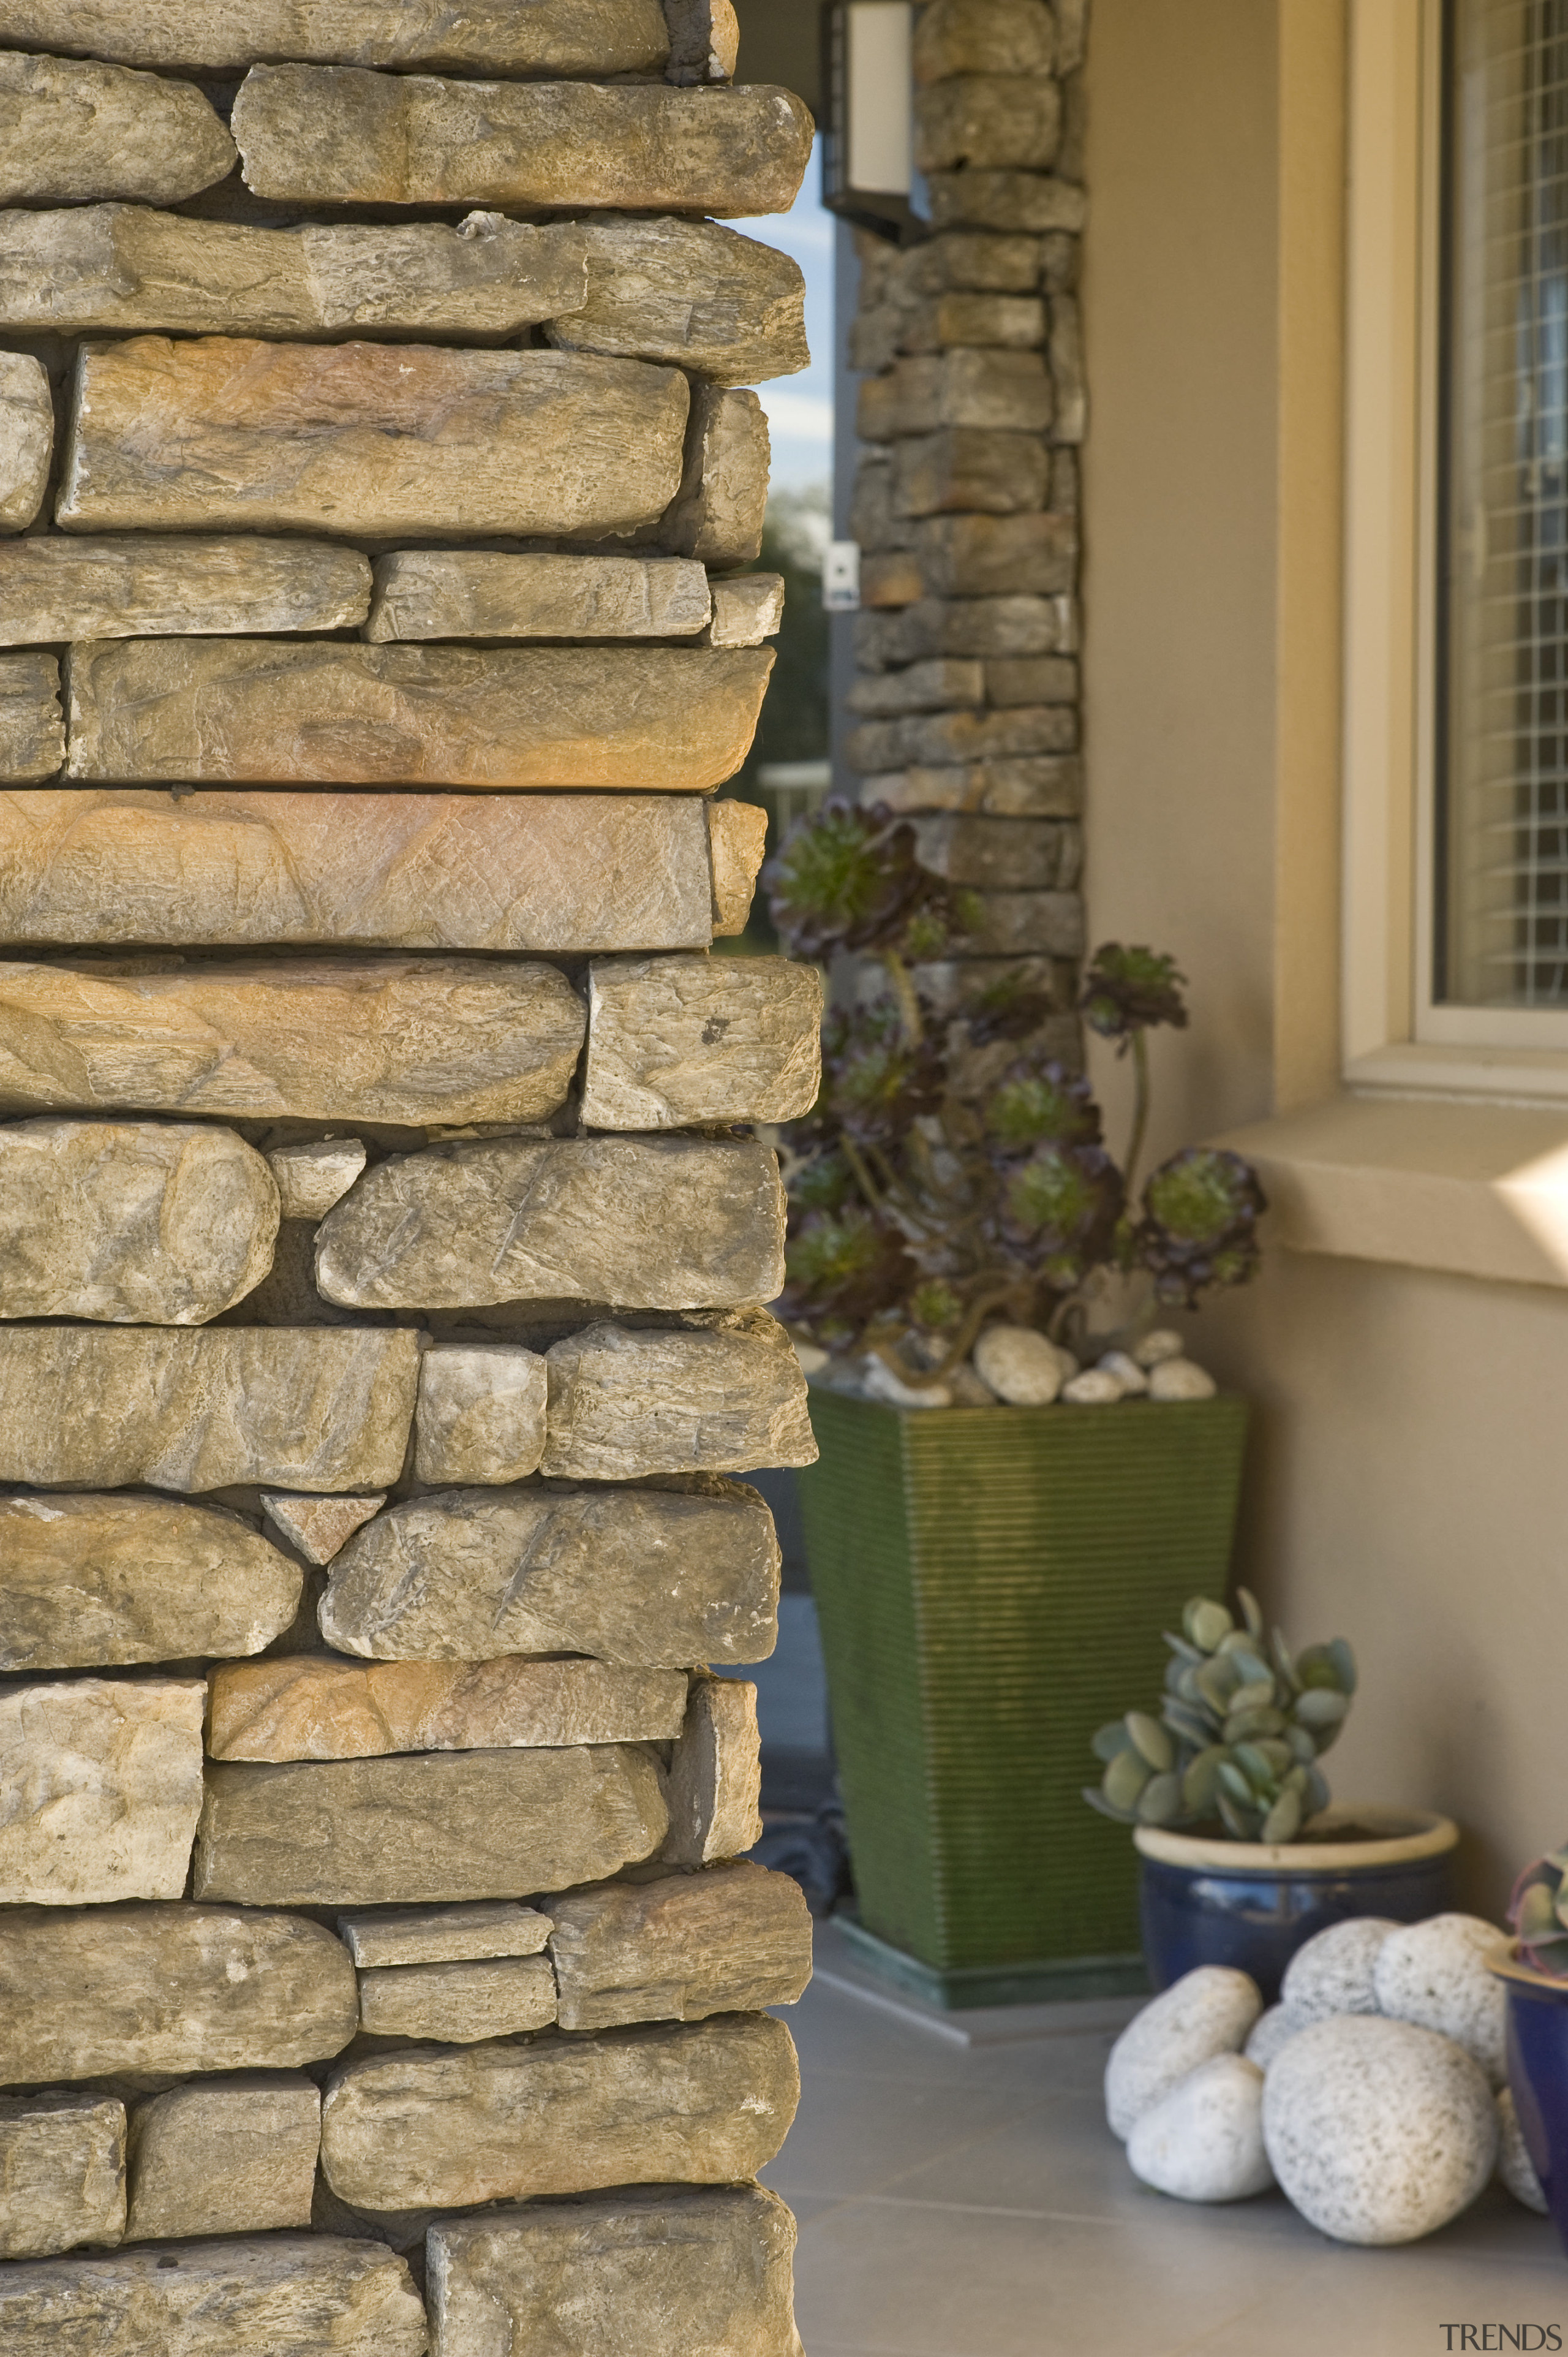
(801, 408)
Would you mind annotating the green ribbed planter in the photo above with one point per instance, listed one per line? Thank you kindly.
(992, 1586)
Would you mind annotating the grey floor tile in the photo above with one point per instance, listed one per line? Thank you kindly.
(854, 2136)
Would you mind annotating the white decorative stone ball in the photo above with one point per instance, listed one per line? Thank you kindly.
(878, 1382)
(1206, 2012)
(1180, 1379)
(1156, 1348)
(1273, 2030)
(1433, 1973)
(1377, 2131)
(1018, 1365)
(1515, 2166)
(1127, 1372)
(1204, 2141)
(1332, 1972)
(1094, 1388)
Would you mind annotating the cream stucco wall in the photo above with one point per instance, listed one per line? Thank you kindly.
(1409, 1486)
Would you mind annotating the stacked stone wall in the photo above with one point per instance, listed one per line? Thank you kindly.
(383, 1233)
(966, 508)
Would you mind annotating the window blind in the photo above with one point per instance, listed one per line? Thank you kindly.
(1501, 935)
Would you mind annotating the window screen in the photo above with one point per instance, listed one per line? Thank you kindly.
(1501, 935)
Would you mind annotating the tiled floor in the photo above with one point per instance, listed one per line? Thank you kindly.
(968, 2201)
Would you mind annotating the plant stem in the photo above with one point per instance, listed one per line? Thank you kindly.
(1139, 1106)
(908, 1004)
(862, 1178)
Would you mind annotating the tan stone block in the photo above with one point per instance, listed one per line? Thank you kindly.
(91, 1580)
(62, 2165)
(646, 1578)
(218, 37)
(700, 2104)
(102, 1779)
(54, 588)
(292, 2294)
(462, 2003)
(976, 627)
(96, 1408)
(976, 37)
(704, 41)
(700, 297)
(1032, 679)
(480, 1415)
(733, 1940)
(719, 1397)
(648, 1224)
(106, 1990)
(719, 509)
(1020, 923)
(440, 1935)
(388, 1039)
(739, 837)
(1043, 785)
(940, 684)
(301, 1706)
(715, 1775)
(891, 577)
(677, 719)
(370, 439)
(674, 1041)
(992, 555)
(668, 2274)
(935, 739)
(747, 611)
(127, 270)
(27, 438)
(970, 467)
(1000, 853)
(974, 390)
(310, 1178)
(137, 1222)
(324, 134)
(469, 593)
(32, 734)
(70, 130)
(439, 1825)
(968, 259)
(995, 120)
(318, 1527)
(232, 2155)
(549, 873)
(1010, 200)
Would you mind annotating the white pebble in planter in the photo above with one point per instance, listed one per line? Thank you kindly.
(1273, 2030)
(1332, 1972)
(1433, 1973)
(1206, 2012)
(1379, 2132)
(1181, 1379)
(1020, 1366)
(1204, 2141)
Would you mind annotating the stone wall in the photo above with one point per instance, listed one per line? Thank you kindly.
(966, 508)
(382, 1228)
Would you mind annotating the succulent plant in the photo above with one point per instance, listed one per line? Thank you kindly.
(1199, 1227)
(1241, 1728)
(928, 1192)
(1539, 1913)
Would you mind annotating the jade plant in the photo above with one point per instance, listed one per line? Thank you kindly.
(953, 1170)
(1539, 1913)
(1238, 1733)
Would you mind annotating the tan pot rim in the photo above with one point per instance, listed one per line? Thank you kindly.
(1509, 1966)
(1404, 1835)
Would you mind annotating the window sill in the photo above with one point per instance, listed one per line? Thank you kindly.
(1478, 1190)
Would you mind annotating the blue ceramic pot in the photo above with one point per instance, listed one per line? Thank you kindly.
(1252, 1904)
(1538, 2073)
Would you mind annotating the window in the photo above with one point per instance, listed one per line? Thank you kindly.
(1500, 833)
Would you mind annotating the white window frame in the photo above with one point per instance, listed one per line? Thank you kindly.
(1395, 1036)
